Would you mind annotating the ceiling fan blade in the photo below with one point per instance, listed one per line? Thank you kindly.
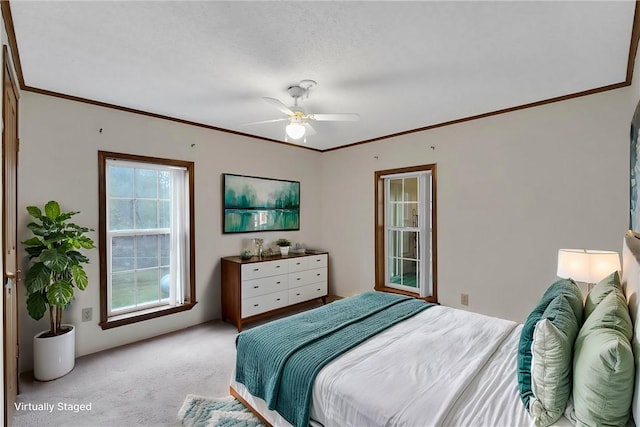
(347, 117)
(309, 129)
(279, 105)
(266, 121)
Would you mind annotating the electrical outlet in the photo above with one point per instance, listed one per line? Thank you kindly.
(87, 314)
(464, 299)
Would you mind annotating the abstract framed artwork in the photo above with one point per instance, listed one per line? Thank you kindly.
(252, 204)
(634, 187)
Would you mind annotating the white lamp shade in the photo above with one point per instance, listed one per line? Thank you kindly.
(295, 130)
(587, 266)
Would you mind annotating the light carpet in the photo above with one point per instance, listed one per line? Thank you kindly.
(198, 411)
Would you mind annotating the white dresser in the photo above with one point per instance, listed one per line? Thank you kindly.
(256, 288)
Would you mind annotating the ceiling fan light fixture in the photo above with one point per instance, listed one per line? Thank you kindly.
(298, 121)
(295, 129)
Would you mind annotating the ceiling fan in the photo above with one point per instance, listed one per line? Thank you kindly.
(299, 122)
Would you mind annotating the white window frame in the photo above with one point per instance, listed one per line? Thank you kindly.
(178, 230)
(423, 228)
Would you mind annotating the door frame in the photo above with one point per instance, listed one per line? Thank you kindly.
(10, 337)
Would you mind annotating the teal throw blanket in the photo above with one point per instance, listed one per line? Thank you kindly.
(279, 361)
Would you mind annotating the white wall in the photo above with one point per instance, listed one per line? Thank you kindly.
(60, 140)
(511, 190)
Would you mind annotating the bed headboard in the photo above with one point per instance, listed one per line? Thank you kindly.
(631, 286)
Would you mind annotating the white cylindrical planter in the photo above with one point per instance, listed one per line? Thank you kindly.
(54, 357)
(284, 250)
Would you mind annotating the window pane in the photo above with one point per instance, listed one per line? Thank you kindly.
(164, 182)
(148, 286)
(395, 190)
(121, 214)
(410, 244)
(165, 214)
(395, 271)
(165, 282)
(146, 214)
(147, 183)
(410, 273)
(394, 243)
(120, 182)
(122, 290)
(395, 211)
(146, 251)
(411, 189)
(411, 215)
(165, 241)
(122, 257)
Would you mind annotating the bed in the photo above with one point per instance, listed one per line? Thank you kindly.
(435, 366)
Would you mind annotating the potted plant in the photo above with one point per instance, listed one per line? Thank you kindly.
(56, 270)
(284, 244)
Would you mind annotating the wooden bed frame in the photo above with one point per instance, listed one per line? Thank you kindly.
(235, 394)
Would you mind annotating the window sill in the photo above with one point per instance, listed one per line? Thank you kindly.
(139, 316)
(407, 293)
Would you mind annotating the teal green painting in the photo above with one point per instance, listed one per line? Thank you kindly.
(634, 187)
(260, 204)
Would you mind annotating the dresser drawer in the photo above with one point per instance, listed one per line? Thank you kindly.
(298, 264)
(317, 261)
(305, 293)
(262, 303)
(256, 270)
(317, 275)
(307, 277)
(264, 285)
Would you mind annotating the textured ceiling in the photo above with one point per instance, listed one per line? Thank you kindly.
(401, 65)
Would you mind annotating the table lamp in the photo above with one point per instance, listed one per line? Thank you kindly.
(587, 266)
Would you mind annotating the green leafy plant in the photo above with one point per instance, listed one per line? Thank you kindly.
(56, 263)
(283, 242)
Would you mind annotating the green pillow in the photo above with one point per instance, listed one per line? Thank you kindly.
(613, 313)
(566, 288)
(603, 365)
(600, 291)
(552, 362)
(570, 290)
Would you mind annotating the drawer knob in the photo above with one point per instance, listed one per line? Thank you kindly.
(318, 289)
(277, 283)
(317, 274)
(277, 299)
(256, 269)
(298, 294)
(297, 263)
(256, 305)
(298, 278)
(277, 266)
(256, 287)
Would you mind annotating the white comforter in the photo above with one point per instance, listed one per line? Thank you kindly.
(412, 374)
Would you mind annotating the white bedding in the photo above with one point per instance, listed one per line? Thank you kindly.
(441, 367)
(411, 374)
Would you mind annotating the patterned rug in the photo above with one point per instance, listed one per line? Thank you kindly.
(198, 411)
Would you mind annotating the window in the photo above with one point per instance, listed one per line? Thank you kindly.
(146, 238)
(405, 239)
